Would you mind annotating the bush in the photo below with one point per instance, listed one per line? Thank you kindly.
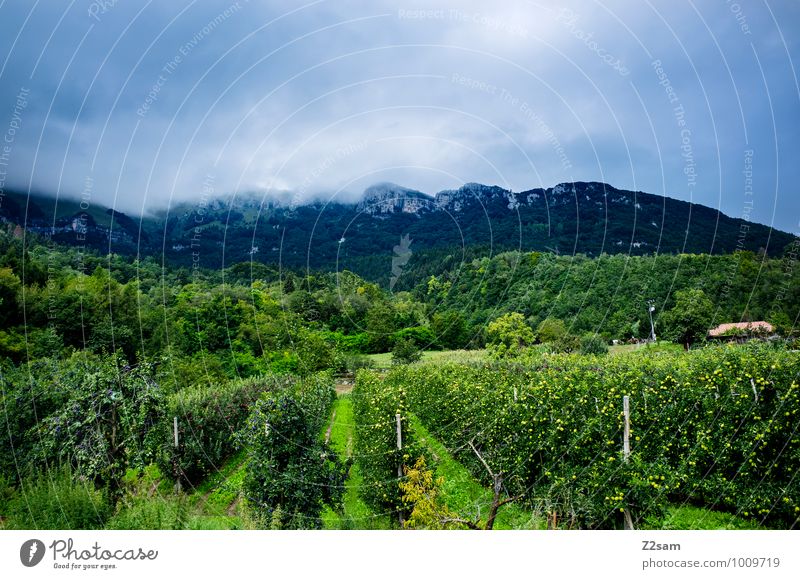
(421, 336)
(144, 507)
(208, 419)
(33, 391)
(551, 330)
(57, 499)
(375, 405)
(405, 352)
(507, 335)
(565, 344)
(351, 363)
(107, 422)
(349, 343)
(593, 344)
(291, 474)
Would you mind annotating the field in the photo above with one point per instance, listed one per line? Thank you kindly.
(530, 443)
(384, 360)
(701, 423)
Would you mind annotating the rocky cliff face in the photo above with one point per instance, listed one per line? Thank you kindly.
(387, 198)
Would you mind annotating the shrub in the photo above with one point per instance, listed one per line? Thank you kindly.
(375, 405)
(420, 336)
(144, 507)
(507, 335)
(107, 421)
(550, 330)
(593, 344)
(208, 419)
(291, 474)
(349, 343)
(57, 499)
(352, 362)
(565, 344)
(405, 352)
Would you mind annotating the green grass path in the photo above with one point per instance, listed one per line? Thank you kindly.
(355, 513)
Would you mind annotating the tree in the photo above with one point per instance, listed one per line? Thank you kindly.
(593, 344)
(421, 495)
(405, 352)
(691, 317)
(9, 290)
(108, 423)
(291, 473)
(551, 330)
(508, 334)
(380, 325)
(450, 329)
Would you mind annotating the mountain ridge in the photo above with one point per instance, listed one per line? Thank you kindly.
(573, 217)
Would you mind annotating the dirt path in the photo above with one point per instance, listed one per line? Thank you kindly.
(330, 427)
(344, 384)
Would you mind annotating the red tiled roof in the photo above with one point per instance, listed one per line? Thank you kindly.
(746, 326)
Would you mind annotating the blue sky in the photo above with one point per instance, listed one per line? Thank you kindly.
(139, 105)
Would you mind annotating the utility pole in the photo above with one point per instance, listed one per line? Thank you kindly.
(651, 307)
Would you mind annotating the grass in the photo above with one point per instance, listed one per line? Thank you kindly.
(660, 346)
(463, 356)
(689, 518)
(216, 498)
(462, 493)
(355, 513)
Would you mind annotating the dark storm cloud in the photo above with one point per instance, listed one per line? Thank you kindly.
(149, 100)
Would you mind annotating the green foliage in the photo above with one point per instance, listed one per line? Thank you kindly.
(375, 406)
(565, 344)
(351, 343)
(608, 294)
(209, 417)
(551, 330)
(291, 474)
(593, 344)
(380, 326)
(702, 424)
(507, 335)
(450, 330)
(421, 336)
(144, 507)
(107, 421)
(421, 496)
(405, 351)
(10, 286)
(691, 317)
(312, 351)
(57, 499)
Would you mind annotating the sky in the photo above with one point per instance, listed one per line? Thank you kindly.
(141, 105)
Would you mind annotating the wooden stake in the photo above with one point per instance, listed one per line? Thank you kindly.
(177, 471)
(626, 451)
(399, 433)
(626, 442)
(400, 463)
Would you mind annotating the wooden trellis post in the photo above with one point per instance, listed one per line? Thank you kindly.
(400, 462)
(626, 450)
(177, 470)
